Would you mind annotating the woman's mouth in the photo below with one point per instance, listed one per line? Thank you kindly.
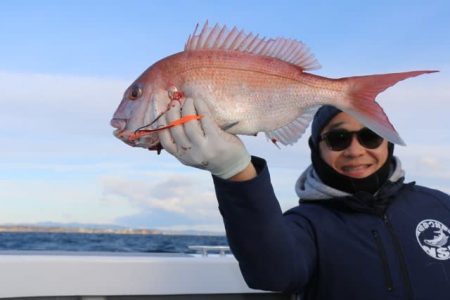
(358, 171)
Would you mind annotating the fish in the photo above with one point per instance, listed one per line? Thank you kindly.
(251, 84)
(439, 240)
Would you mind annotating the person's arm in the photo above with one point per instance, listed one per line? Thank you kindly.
(248, 173)
(274, 252)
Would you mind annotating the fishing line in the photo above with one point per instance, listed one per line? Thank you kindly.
(150, 124)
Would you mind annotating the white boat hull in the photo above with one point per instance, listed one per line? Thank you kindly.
(100, 275)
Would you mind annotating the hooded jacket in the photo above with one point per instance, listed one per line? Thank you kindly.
(391, 245)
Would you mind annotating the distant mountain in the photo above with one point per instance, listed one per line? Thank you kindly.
(72, 228)
(78, 225)
(93, 228)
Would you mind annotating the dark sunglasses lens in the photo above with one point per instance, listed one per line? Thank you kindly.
(338, 140)
(369, 139)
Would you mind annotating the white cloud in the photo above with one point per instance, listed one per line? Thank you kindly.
(189, 195)
(58, 200)
(428, 163)
(435, 166)
(56, 128)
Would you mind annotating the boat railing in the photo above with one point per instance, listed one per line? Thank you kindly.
(205, 250)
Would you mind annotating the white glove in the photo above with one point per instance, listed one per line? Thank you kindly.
(201, 143)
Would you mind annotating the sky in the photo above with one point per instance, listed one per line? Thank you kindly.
(64, 66)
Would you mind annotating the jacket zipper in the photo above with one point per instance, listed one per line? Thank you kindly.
(398, 249)
(382, 252)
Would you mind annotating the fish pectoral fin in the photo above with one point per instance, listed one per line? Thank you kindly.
(291, 132)
(229, 126)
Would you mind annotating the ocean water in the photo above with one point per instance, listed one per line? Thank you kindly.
(106, 242)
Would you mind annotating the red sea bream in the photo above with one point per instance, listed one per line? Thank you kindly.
(250, 85)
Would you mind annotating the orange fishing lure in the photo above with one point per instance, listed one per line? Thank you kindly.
(141, 133)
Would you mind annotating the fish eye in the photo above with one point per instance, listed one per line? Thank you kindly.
(135, 92)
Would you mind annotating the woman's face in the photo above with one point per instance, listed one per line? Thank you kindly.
(355, 161)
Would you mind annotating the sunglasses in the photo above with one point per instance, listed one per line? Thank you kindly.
(340, 139)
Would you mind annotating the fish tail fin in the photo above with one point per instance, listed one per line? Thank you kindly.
(362, 105)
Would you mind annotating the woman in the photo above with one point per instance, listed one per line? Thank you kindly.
(359, 232)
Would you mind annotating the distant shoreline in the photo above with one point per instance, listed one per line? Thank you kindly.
(88, 230)
(58, 229)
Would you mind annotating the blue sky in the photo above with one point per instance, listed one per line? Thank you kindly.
(65, 64)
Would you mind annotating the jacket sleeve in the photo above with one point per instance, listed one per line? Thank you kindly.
(274, 252)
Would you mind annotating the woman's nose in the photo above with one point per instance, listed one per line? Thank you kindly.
(355, 148)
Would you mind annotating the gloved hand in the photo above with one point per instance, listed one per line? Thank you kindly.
(202, 144)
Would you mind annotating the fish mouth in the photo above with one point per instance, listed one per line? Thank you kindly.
(119, 124)
(127, 136)
(121, 132)
(137, 134)
(150, 142)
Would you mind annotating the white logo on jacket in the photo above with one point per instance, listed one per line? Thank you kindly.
(434, 238)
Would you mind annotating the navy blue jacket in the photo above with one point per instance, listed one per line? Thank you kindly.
(332, 250)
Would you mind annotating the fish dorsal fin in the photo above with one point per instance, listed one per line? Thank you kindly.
(290, 133)
(220, 38)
